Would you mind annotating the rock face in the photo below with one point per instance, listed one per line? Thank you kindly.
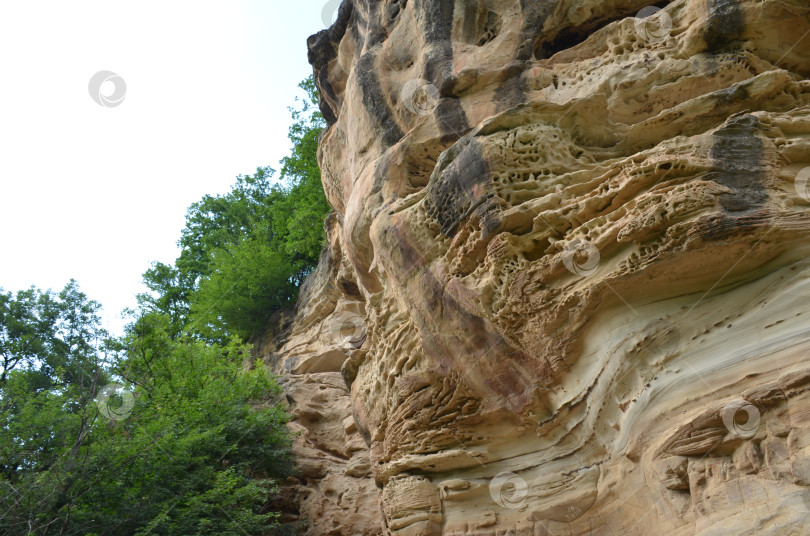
(567, 280)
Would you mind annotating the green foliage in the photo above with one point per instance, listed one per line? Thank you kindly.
(45, 333)
(169, 430)
(52, 351)
(200, 452)
(244, 254)
(251, 280)
(305, 200)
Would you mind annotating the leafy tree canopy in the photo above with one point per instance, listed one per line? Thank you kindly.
(147, 434)
(244, 254)
(171, 429)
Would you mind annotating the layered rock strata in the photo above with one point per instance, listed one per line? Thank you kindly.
(567, 283)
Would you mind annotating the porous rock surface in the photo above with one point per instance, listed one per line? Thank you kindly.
(567, 287)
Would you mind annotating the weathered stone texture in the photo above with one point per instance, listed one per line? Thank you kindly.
(567, 282)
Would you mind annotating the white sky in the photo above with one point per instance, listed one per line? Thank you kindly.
(98, 193)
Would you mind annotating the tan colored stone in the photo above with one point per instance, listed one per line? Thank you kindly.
(567, 278)
(334, 494)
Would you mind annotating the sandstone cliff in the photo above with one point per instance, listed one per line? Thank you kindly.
(567, 282)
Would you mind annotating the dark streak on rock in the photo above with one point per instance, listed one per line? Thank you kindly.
(451, 119)
(450, 116)
(723, 227)
(513, 92)
(392, 13)
(358, 26)
(321, 49)
(374, 101)
(738, 159)
(459, 187)
(365, 70)
(375, 31)
(350, 289)
(726, 23)
(534, 17)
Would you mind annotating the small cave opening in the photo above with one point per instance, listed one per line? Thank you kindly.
(568, 38)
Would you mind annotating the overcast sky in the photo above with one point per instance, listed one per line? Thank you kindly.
(96, 193)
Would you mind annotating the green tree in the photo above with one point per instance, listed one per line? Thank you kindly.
(194, 444)
(53, 352)
(305, 200)
(169, 430)
(244, 254)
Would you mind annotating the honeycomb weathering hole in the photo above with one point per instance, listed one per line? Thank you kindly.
(568, 38)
